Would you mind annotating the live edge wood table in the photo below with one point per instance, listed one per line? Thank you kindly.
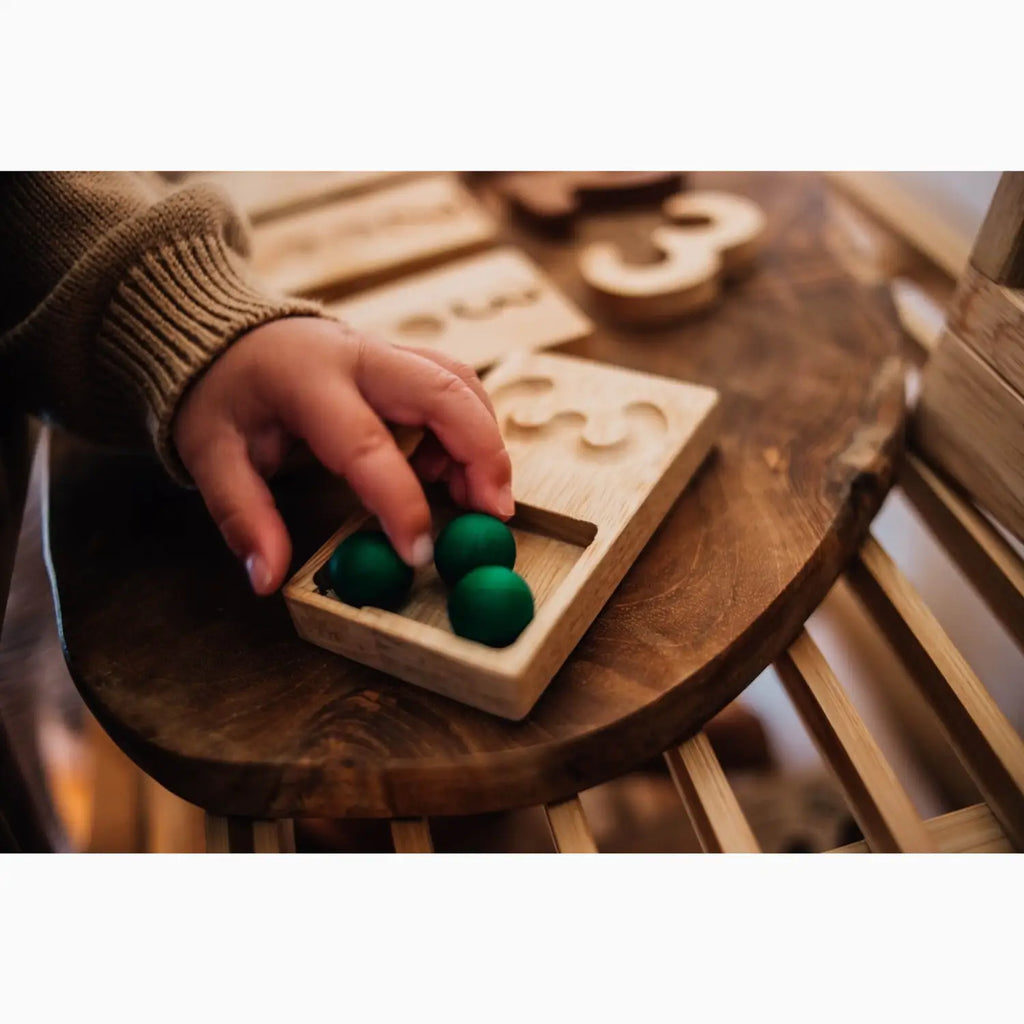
(210, 691)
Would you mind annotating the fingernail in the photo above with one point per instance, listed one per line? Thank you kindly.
(259, 574)
(422, 551)
(506, 503)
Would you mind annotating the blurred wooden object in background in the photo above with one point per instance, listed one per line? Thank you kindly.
(970, 416)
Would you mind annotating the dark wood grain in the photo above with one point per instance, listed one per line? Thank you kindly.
(209, 689)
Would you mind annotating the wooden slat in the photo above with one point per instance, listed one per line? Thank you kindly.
(989, 319)
(970, 830)
(117, 822)
(411, 835)
(970, 422)
(266, 837)
(897, 698)
(999, 249)
(217, 834)
(286, 834)
(172, 824)
(985, 558)
(882, 808)
(919, 314)
(708, 798)
(985, 741)
(247, 835)
(569, 828)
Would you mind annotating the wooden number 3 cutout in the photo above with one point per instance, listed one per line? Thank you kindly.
(713, 235)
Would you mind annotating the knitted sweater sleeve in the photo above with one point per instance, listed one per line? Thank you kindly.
(115, 296)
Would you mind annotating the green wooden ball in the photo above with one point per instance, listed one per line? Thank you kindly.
(366, 570)
(470, 541)
(491, 605)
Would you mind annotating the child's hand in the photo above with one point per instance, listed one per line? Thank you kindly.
(329, 386)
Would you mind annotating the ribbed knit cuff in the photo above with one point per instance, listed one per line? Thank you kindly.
(178, 308)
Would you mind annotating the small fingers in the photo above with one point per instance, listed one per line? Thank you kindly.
(467, 373)
(348, 437)
(243, 508)
(411, 389)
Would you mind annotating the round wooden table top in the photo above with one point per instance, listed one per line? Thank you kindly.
(210, 690)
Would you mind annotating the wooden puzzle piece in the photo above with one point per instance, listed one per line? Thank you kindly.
(552, 199)
(713, 235)
(262, 195)
(599, 455)
(587, 427)
(477, 310)
(583, 437)
(354, 242)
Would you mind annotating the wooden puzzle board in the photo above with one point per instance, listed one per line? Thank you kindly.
(477, 310)
(356, 242)
(599, 456)
(265, 194)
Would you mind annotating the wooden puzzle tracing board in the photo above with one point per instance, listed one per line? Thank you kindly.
(359, 241)
(599, 456)
(477, 310)
(266, 194)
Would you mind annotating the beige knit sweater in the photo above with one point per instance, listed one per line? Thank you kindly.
(115, 294)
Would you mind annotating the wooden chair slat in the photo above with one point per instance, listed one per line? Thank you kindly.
(267, 837)
(117, 822)
(986, 559)
(286, 834)
(970, 830)
(218, 838)
(569, 828)
(920, 316)
(708, 798)
(970, 421)
(999, 248)
(411, 835)
(172, 825)
(248, 835)
(983, 738)
(989, 319)
(880, 804)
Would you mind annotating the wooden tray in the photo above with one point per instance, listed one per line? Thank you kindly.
(599, 456)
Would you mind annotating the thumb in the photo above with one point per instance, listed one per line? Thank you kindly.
(240, 503)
